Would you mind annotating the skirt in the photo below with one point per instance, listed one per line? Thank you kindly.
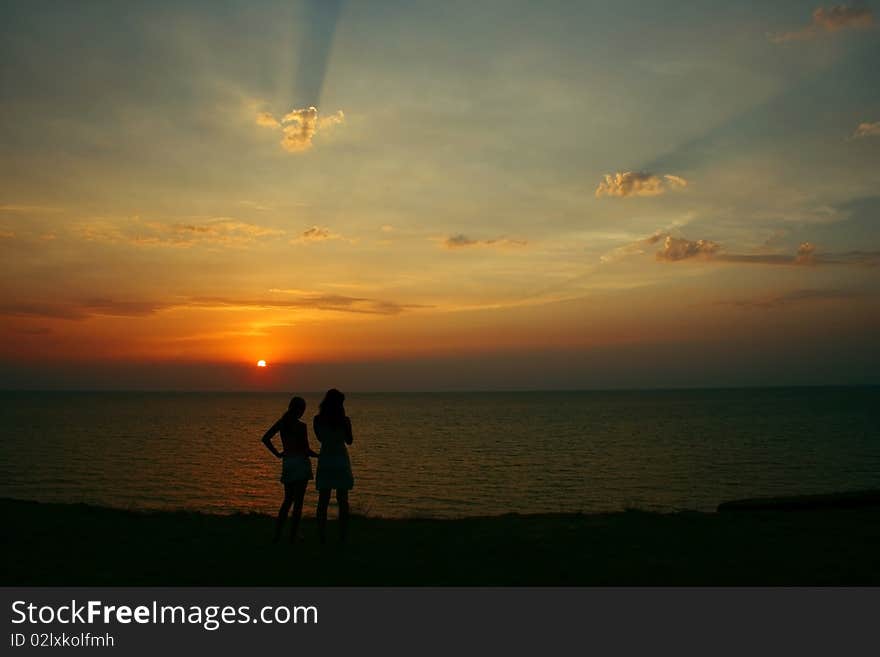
(334, 472)
(295, 469)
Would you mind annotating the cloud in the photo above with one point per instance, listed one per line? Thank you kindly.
(28, 209)
(678, 248)
(266, 120)
(634, 248)
(632, 183)
(461, 241)
(789, 298)
(867, 130)
(299, 126)
(82, 310)
(806, 255)
(316, 234)
(832, 19)
(840, 17)
(224, 231)
(330, 302)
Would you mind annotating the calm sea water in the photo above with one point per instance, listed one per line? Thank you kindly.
(449, 454)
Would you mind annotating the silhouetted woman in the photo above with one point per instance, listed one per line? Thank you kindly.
(333, 431)
(296, 468)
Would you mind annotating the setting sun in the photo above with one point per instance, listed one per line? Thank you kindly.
(261, 363)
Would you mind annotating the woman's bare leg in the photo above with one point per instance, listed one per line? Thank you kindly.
(323, 503)
(282, 512)
(342, 501)
(299, 493)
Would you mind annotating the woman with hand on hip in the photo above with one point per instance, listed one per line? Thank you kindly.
(333, 431)
(296, 468)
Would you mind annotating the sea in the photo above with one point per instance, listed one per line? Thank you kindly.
(448, 454)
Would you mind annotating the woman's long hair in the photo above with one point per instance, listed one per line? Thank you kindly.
(295, 409)
(332, 408)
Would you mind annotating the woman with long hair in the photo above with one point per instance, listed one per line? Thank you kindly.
(296, 468)
(333, 431)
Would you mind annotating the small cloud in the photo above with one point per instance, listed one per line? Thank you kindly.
(461, 241)
(678, 248)
(387, 228)
(316, 234)
(633, 183)
(255, 205)
(222, 231)
(832, 19)
(841, 17)
(28, 209)
(326, 302)
(806, 254)
(267, 120)
(80, 310)
(633, 248)
(867, 130)
(7, 235)
(299, 126)
(789, 298)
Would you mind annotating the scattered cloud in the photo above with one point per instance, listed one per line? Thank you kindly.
(316, 234)
(842, 16)
(28, 209)
(633, 248)
(224, 231)
(266, 120)
(774, 301)
(632, 183)
(81, 310)
(255, 205)
(867, 130)
(299, 126)
(461, 241)
(825, 20)
(678, 248)
(330, 302)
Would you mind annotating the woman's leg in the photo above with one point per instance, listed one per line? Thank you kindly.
(285, 507)
(299, 493)
(323, 503)
(342, 501)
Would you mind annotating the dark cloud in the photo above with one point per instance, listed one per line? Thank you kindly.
(82, 310)
(332, 302)
(831, 19)
(461, 241)
(792, 297)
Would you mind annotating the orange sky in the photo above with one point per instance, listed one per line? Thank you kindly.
(585, 192)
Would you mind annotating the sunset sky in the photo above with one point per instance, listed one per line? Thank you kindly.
(486, 195)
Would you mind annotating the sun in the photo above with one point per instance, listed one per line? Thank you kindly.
(261, 363)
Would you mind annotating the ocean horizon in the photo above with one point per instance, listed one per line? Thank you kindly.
(449, 454)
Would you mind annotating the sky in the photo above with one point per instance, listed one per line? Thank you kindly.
(438, 195)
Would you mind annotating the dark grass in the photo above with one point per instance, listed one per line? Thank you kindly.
(56, 544)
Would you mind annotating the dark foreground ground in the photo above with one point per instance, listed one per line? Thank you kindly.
(54, 544)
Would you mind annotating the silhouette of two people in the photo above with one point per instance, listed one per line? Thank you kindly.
(333, 431)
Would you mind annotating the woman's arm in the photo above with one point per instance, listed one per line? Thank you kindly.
(267, 438)
(305, 438)
(349, 438)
